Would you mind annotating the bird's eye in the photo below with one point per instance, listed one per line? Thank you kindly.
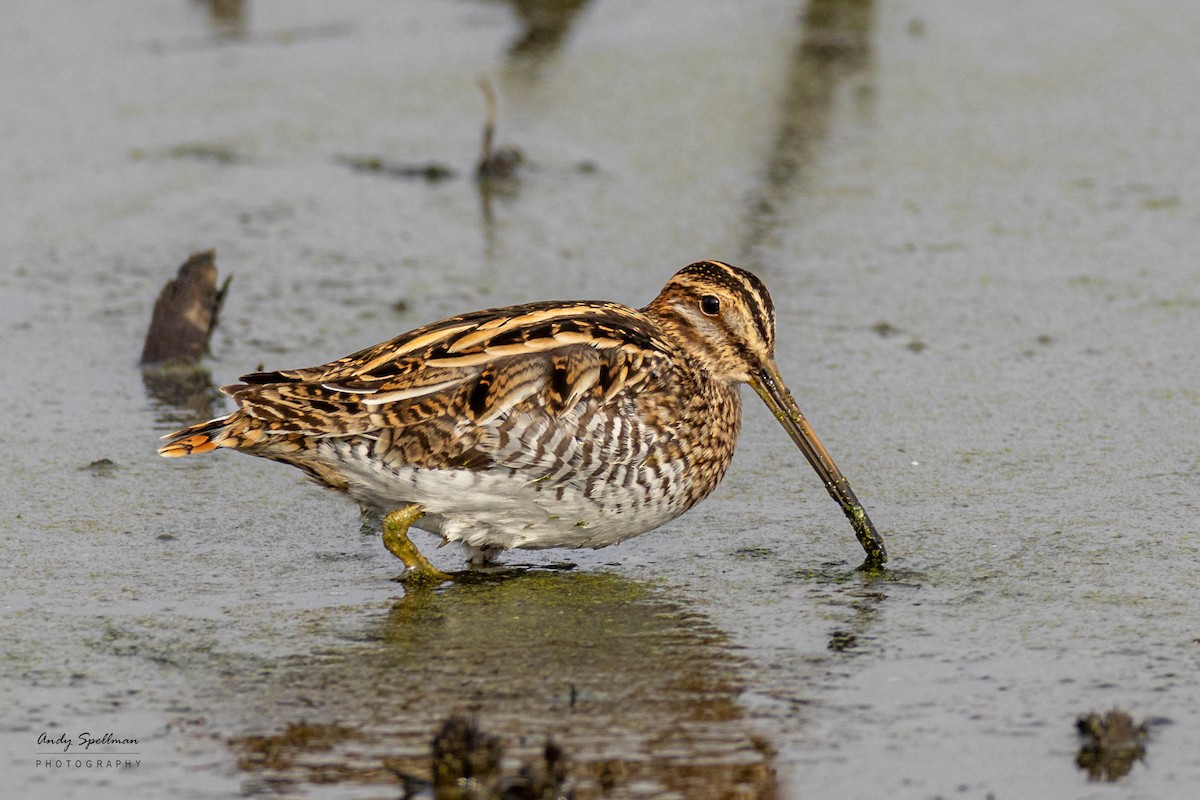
(710, 305)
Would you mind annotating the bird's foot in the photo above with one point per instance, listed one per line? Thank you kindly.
(421, 572)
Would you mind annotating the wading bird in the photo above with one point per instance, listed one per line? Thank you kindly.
(552, 424)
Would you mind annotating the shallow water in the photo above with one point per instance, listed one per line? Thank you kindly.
(978, 224)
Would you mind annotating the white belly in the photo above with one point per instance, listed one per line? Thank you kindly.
(504, 508)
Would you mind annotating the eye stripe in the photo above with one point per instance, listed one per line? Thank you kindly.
(704, 275)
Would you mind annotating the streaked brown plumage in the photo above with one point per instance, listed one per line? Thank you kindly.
(554, 424)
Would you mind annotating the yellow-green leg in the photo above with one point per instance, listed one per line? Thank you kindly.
(395, 538)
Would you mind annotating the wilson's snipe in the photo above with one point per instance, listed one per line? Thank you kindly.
(557, 424)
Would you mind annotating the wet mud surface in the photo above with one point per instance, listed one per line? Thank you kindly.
(978, 223)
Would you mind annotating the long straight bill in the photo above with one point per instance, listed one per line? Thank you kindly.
(771, 388)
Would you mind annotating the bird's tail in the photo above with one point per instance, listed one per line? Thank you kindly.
(199, 438)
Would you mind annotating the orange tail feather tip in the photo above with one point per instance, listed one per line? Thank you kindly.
(200, 443)
(194, 439)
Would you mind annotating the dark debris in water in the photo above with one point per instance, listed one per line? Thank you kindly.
(501, 164)
(101, 468)
(1111, 743)
(841, 641)
(211, 152)
(495, 163)
(466, 765)
(754, 553)
(885, 329)
(186, 312)
(429, 171)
